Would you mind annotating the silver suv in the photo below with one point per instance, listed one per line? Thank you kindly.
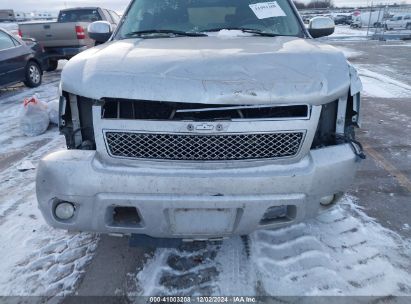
(200, 120)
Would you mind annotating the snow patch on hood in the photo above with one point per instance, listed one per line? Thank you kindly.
(211, 70)
(231, 34)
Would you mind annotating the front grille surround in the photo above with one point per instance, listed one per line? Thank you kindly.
(203, 147)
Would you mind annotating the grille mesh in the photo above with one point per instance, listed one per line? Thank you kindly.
(203, 147)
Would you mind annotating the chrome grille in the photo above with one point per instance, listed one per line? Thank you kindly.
(203, 147)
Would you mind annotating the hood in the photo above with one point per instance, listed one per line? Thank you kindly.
(211, 70)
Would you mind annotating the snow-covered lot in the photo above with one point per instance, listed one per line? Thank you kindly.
(36, 259)
(341, 252)
(344, 32)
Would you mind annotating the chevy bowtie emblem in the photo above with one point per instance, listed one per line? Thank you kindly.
(204, 127)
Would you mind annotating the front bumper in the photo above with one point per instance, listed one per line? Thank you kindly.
(183, 202)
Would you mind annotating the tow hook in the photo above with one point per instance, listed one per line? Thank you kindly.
(356, 145)
(358, 149)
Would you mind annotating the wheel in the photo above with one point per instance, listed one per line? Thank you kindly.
(33, 75)
(408, 27)
(52, 66)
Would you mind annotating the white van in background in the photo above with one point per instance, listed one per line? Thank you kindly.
(365, 18)
(7, 15)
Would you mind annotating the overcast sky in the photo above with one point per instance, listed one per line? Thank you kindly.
(120, 5)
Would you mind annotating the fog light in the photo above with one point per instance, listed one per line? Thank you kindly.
(64, 211)
(327, 200)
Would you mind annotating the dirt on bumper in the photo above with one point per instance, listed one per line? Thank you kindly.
(182, 202)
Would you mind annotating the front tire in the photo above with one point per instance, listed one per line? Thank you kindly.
(52, 66)
(33, 75)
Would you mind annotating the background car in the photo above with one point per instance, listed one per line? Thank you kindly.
(20, 60)
(343, 19)
(7, 15)
(68, 36)
(399, 22)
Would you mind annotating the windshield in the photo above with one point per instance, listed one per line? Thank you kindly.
(196, 16)
(81, 15)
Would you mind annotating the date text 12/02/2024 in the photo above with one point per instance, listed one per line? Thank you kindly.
(203, 299)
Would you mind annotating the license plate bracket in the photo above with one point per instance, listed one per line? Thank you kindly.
(202, 221)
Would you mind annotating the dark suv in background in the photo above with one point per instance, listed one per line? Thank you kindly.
(20, 61)
(343, 20)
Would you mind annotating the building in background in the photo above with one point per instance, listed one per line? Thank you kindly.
(43, 16)
(22, 16)
(7, 15)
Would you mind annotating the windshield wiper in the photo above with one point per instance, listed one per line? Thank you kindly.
(244, 30)
(165, 32)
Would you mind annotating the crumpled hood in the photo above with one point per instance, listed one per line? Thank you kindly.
(213, 70)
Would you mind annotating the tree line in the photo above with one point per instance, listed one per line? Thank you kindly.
(314, 4)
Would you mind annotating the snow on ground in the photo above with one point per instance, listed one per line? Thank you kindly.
(341, 252)
(350, 53)
(345, 33)
(377, 84)
(11, 106)
(346, 30)
(11, 109)
(397, 45)
(36, 259)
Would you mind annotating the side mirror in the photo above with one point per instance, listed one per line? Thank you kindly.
(321, 26)
(100, 31)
